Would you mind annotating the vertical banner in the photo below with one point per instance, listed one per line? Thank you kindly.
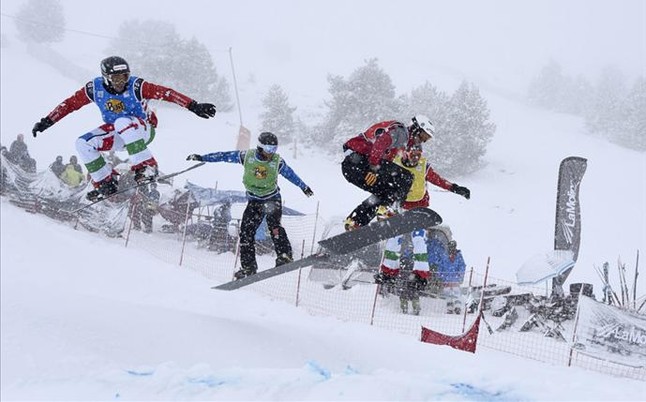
(610, 333)
(244, 139)
(567, 231)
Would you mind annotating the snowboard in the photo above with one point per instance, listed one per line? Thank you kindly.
(271, 272)
(405, 222)
(125, 190)
(418, 218)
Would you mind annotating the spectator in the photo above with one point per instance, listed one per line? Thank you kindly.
(19, 155)
(449, 267)
(57, 167)
(219, 239)
(71, 176)
(3, 171)
(74, 162)
(144, 207)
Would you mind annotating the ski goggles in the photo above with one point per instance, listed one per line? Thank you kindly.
(118, 78)
(270, 149)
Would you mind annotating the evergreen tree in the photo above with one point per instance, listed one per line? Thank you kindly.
(633, 134)
(41, 21)
(366, 97)
(157, 53)
(278, 115)
(546, 90)
(576, 96)
(466, 133)
(606, 113)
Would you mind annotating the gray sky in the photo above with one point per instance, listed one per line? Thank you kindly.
(501, 41)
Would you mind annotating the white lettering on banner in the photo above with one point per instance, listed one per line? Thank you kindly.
(570, 220)
(610, 333)
(633, 335)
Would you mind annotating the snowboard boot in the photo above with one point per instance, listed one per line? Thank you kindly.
(403, 304)
(243, 273)
(350, 224)
(146, 174)
(416, 306)
(384, 212)
(283, 259)
(382, 278)
(103, 189)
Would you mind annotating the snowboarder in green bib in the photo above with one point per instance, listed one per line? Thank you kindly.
(261, 169)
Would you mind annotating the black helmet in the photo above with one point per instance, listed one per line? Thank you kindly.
(113, 65)
(268, 142)
(268, 138)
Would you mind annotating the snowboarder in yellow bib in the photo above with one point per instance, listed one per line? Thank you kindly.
(422, 172)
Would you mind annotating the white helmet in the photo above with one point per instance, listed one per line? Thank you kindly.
(422, 122)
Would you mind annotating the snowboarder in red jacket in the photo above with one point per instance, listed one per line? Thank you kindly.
(368, 164)
(122, 100)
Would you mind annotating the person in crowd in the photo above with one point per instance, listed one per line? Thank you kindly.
(75, 164)
(368, 165)
(19, 155)
(122, 100)
(144, 206)
(260, 178)
(219, 238)
(4, 181)
(57, 167)
(71, 176)
(449, 267)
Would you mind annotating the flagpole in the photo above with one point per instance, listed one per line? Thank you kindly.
(235, 84)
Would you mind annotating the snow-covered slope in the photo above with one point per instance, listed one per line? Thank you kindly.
(84, 318)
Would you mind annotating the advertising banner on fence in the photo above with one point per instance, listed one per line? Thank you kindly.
(610, 333)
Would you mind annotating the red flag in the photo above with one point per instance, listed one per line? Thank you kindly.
(244, 139)
(466, 341)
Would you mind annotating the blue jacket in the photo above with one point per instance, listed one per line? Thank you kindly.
(239, 157)
(448, 270)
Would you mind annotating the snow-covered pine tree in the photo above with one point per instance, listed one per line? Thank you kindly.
(606, 113)
(634, 132)
(429, 101)
(278, 116)
(157, 53)
(547, 89)
(465, 132)
(365, 98)
(575, 97)
(41, 21)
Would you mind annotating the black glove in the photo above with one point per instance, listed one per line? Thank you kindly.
(42, 125)
(194, 157)
(420, 283)
(204, 110)
(459, 190)
(308, 191)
